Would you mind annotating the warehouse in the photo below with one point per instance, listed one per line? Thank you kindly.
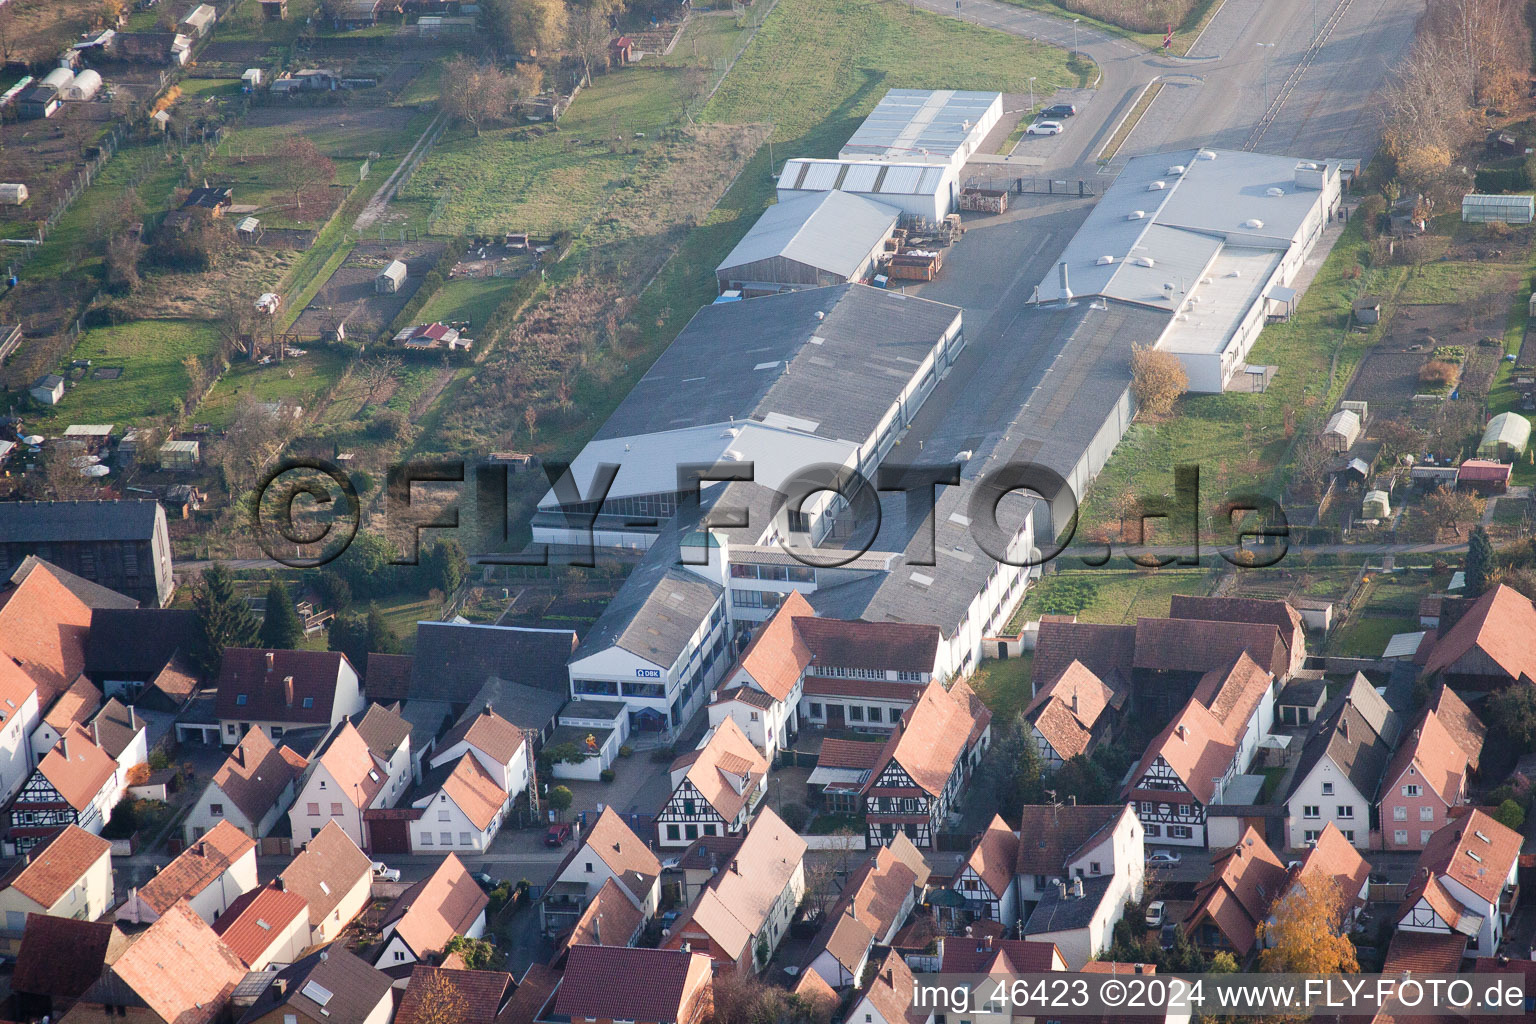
(937, 126)
(818, 376)
(1210, 238)
(923, 192)
(808, 241)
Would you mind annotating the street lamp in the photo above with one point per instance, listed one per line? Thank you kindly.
(1270, 46)
(1074, 35)
(1032, 93)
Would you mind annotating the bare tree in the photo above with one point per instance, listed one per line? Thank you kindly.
(587, 36)
(376, 375)
(299, 166)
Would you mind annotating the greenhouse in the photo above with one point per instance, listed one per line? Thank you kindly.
(1479, 209)
(1507, 435)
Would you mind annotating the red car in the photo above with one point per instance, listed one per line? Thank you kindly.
(557, 835)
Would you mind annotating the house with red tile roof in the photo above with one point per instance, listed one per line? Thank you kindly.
(68, 874)
(1334, 861)
(1237, 895)
(478, 996)
(43, 628)
(423, 918)
(60, 958)
(865, 675)
(1485, 645)
(1465, 728)
(1339, 775)
(611, 919)
(74, 706)
(1424, 783)
(461, 808)
(876, 900)
(1072, 714)
(610, 849)
(761, 692)
(1279, 614)
(335, 878)
(925, 762)
(889, 996)
(959, 954)
(747, 907)
(208, 876)
(342, 780)
(715, 787)
(1059, 843)
(500, 747)
(264, 926)
(986, 877)
(842, 768)
(75, 784)
(251, 790)
(609, 984)
(1466, 883)
(176, 972)
(282, 690)
(1188, 765)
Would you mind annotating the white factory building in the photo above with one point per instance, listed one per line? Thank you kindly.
(1212, 238)
(908, 153)
(820, 376)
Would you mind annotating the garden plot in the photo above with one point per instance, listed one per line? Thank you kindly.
(348, 296)
(43, 155)
(1389, 376)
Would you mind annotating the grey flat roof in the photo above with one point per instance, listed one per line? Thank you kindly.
(908, 123)
(1056, 914)
(1048, 425)
(42, 522)
(834, 376)
(832, 231)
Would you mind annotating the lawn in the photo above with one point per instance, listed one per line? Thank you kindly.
(508, 179)
(153, 382)
(1239, 440)
(297, 381)
(424, 88)
(1184, 34)
(709, 39)
(1109, 596)
(467, 298)
(403, 612)
(1367, 636)
(1005, 686)
(247, 22)
(203, 88)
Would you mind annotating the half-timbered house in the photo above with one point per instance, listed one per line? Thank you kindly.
(924, 764)
(1188, 765)
(1466, 883)
(73, 785)
(986, 878)
(1072, 714)
(715, 788)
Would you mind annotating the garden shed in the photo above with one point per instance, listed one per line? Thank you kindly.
(1484, 476)
(83, 86)
(1368, 309)
(1485, 209)
(390, 278)
(1377, 505)
(1342, 430)
(12, 194)
(199, 22)
(180, 456)
(1507, 436)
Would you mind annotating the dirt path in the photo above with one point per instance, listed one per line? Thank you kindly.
(380, 201)
(425, 400)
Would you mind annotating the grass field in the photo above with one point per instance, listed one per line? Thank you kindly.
(153, 382)
(1366, 637)
(1005, 686)
(472, 299)
(505, 179)
(1184, 34)
(709, 38)
(1109, 596)
(297, 381)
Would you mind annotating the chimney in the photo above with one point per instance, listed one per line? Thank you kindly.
(1061, 889)
(279, 884)
(288, 689)
(1344, 727)
(597, 929)
(133, 719)
(1072, 800)
(64, 745)
(282, 985)
(96, 731)
(1180, 730)
(1074, 702)
(488, 710)
(1066, 291)
(735, 867)
(890, 978)
(269, 661)
(1077, 888)
(238, 755)
(853, 912)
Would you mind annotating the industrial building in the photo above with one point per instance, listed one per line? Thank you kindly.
(908, 153)
(1211, 239)
(809, 240)
(822, 376)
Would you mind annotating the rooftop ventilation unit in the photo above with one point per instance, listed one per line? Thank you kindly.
(1144, 261)
(1275, 191)
(1253, 223)
(731, 455)
(1136, 215)
(1104, 261)
(1176, 170)
(1157, 186)
(1205, 154)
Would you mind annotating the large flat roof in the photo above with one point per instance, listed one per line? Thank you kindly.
(832, 231)
(910, 178)
(921, 125)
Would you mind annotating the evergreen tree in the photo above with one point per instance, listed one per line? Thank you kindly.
(1479, 562)
(380, 637)
(349, 635)
(223, 618)
(281, 628)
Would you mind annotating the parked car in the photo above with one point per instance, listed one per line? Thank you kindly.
(1044, 128)
(669, 918)
(485, 881)
(1155, 914)
(1163, 857)
(1059, 110)
(385, 873)
(557, 834)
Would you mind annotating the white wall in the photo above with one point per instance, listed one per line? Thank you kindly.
(287, 945)
(1310, 793)
(322, 790)
(16, 753)
(443, 815)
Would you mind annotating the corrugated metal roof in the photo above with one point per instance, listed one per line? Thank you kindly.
(832, 231)
(862, 176)
(913, 123)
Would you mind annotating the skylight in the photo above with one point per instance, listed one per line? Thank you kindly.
(325, 888)
(309, 702)
(316, 991)
(1474, 856)
(239, 700)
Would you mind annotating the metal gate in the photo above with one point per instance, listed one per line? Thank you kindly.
(388, 834)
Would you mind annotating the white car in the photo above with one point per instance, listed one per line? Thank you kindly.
(384, 873)
(1044, 128)
(1164, 857)
(1154, 917)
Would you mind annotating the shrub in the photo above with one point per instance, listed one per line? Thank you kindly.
(1372, 209)
(389, 425)
(1438, 373)
(608, 775)
(796, 816)
(1450, 353)
(626, 751)
(1157, 379)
